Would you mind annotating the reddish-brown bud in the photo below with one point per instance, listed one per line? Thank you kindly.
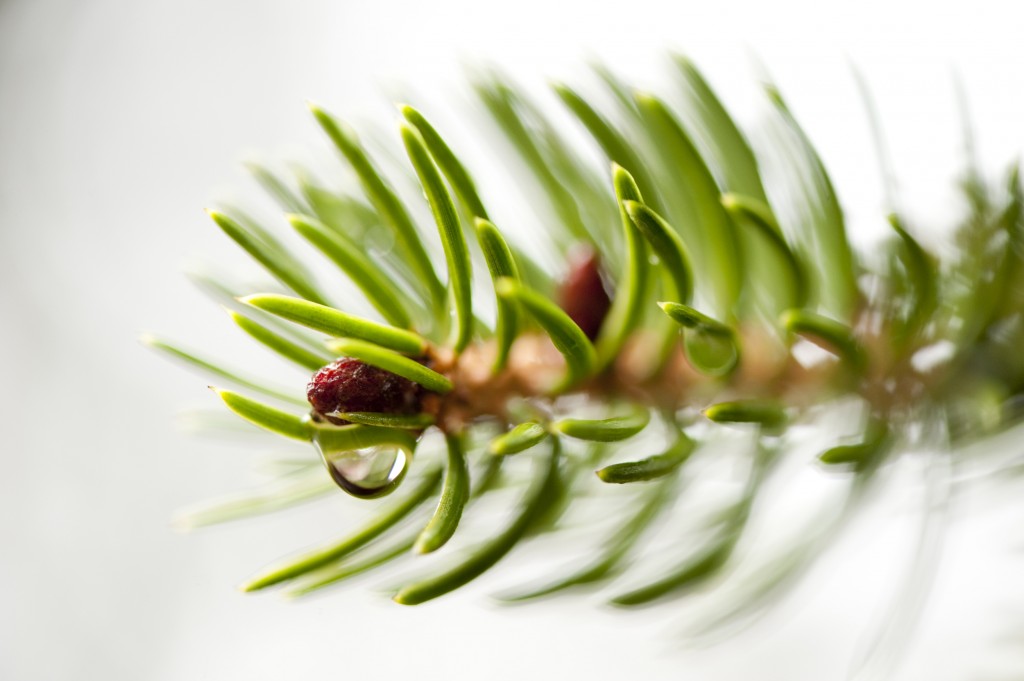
(349, 385)
(582, 294)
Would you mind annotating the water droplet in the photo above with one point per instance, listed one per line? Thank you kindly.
(710, 352)
(366, 473)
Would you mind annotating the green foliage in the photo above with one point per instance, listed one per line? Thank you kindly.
(265, 416)
(665, 243)
(352, 260)
(333, 551)
(482, 557)
(610, 429)
(452, 238)
(389, 208)
(454, 496)
(627, 307)
(579, 353)
(651, 468)
(519, 439)
(386, 420)
(390, 360)
(683, 215)
(337, 323)
(501, 265)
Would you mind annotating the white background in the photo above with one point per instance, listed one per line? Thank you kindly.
(120, 120)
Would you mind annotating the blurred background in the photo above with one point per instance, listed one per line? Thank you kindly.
(120, 121)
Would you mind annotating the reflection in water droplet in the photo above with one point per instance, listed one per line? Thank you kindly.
(366, 473)
(710, 352)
